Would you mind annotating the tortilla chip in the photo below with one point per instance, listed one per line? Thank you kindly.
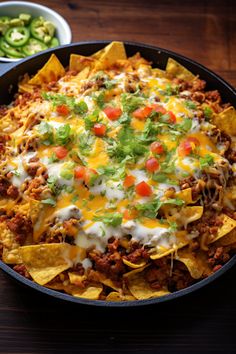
(80, 62)
(186, 195)
(161, 251)
(51, 71)
(133, 265)
(228, 226)
(11, 256)
(90, 292)
(197, 265)
(44, 262)
(158, 73)
(227, 240)
(116, 296)
(177, 70)
(109, 55)
(226, 120)
(82, 75)
(77, 279)
(140, 288)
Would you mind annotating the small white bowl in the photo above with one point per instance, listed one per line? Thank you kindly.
(14, 8)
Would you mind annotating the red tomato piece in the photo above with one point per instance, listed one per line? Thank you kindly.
(90, 173)
(158, 108)
(63, 110)
(129, 181)
(142, 113)
(80, 172)
(172, 116)
(113, 113)
(60, 152)
(143, 189)
(185, 148)
(157, 148)
(130, 214)
(99, 129)
(152, 164)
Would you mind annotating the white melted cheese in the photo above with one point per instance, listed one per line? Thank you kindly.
(55, 171)
(71, 211)
(17, 164)
(97, 235)
(110, 189)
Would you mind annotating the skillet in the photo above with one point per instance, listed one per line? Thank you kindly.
(9, 76)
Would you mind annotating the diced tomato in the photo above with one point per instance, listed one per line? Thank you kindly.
(157, 148)
(158, 108)
(80, 172)
(130, 214)
(60, 152)
(142, 113)
(99, 129)
(113, 113)
(194, 140)
(187, 146)
(89, 175)
(172, 116)
(129, 181)
(63, 110)
(152, 164)
(143, 189)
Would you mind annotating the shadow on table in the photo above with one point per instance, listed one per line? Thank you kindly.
(200, 322)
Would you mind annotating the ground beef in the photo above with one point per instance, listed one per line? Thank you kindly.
(217, 257)
(21, 269)
(109, 263)
(21, 226)
(208, 223)
(7, 189)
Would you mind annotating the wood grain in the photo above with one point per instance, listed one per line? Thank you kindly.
(203, 322)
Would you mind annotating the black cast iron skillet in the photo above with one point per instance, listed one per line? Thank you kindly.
(9, 75)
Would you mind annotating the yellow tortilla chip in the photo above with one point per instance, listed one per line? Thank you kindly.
(186, 195)
(226, 120)
(140, 288)
(133, 265)
(110, 54)
(51, 71)
(197, 266)
(80, 62)
(228, 239)
(82, 75)
(161, 251)
(177, 70)
(11, 256)
(116, 296)
(228, 226)
(76, 279)
(44, 262)
(90, 292)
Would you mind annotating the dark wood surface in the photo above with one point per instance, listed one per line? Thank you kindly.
(203, 322)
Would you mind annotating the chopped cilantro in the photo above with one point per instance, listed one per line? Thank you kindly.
(190, 104)
(150, 209)
(53, 158)
(130, 102)
(58, 99)
(45, 131)
(100, 99)
(91, 119)
(185, 125)
(85, 142)
(80, 108)
(111, 219)
(67, 172)
(49, 201)
(206, 161)
(63, 134)
(207, 112)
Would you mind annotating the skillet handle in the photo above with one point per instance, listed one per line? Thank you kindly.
(4, 67)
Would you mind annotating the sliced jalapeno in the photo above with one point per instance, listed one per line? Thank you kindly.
(2, 54)
(4, 23)
(17, 36)
(10, 51)
(42, 30)
(34, 46)
(54, 43)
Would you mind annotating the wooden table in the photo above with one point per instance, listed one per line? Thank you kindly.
(203, 322)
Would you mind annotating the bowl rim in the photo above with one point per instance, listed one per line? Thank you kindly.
(38, 6)
(133, 303)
